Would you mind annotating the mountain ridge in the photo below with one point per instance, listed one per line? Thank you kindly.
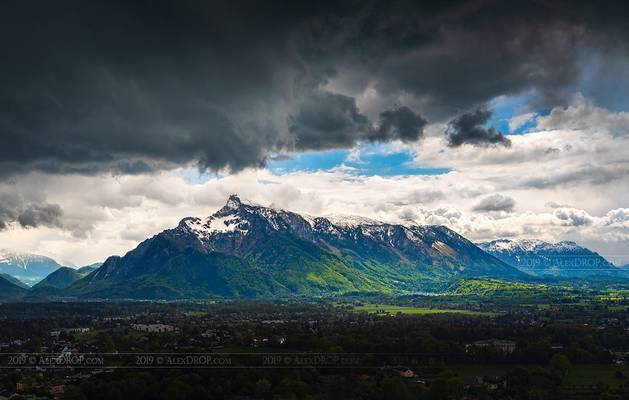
(539, 258)
(14, 280)
(10, 291)
(28, 268)
(60, 279)
(251, 251)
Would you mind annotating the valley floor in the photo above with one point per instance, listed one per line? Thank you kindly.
(574, 345)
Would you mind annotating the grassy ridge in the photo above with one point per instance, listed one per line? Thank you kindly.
(487, 287)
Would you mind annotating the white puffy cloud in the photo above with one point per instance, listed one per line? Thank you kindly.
(520, 120)
(584, 115)
(494, 203)
(573, 216)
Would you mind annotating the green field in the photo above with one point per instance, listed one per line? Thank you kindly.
(387, 309)
(465, 371)
(578, 375)
(591, 374)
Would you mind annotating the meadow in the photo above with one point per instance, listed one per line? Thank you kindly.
(387, 309)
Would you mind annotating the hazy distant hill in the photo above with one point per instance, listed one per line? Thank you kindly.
(14, 281)
(54, 285)
(89, 268)
(10, 291)
(625, 270)
(61, 278)
(543, 259)
(250, 251)
(28, 268)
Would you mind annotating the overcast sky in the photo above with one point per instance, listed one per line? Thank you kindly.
(497, 119)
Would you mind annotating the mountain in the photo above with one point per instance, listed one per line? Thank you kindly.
(28, 268)
(543, 259)
(14, 281)
(60, 279)
(89, 268)
(10, 291)
(246, 250)
(54, 285)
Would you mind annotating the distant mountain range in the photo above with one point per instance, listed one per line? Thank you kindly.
(246, 250)
(14, 281)
(55, 284)
(28, 268)
(63, 277)
(89, 268)
(543, 259)
(9, 290)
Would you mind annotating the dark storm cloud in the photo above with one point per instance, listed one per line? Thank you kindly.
(9, 209)
(495, 202)
(328, 120)
(400, 123)
(469, 128)
(13, 209)
(132, 86)
(40, 215)
(90, 86)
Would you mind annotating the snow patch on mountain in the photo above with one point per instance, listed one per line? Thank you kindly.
(540, 258)
(21, 260)
(528, 245)
(223, 224)
(351, 221)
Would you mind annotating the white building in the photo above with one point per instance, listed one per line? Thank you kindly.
(503, 346)
(153, 328)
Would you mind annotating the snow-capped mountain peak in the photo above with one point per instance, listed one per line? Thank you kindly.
(512, 245)
(540, 258)
(239, 225)
(18, 259)
(233, 202)
(29, 268)
(528, 245)
(237, 217)
(284, 251)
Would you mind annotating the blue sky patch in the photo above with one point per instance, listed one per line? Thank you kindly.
(505, 108)
(372, 160)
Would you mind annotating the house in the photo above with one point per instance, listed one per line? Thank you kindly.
(57, 390)
(279, 339)
(76, 330)
(476, 381)
(153, 328)
(22, 386)
(210, 333)
(406, 373)
(503, 346)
